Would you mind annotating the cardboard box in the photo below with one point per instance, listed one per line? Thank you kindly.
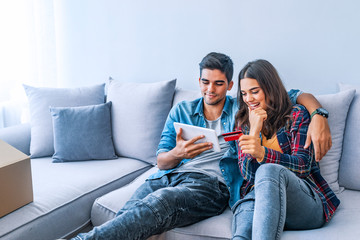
(15, 179)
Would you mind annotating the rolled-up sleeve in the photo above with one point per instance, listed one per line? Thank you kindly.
(293, 94)
(168, 135)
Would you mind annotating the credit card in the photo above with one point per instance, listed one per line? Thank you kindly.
(232, 136)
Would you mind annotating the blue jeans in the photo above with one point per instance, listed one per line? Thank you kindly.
(175, 200)
(278, 200)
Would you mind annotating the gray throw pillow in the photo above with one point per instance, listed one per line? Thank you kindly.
(40, 100)
(82, 133)
(349, 174)
(139, 112)
(338, 105)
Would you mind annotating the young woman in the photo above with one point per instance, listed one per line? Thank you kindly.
(282, 185)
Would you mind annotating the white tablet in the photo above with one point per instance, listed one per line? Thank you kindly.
(190, 131)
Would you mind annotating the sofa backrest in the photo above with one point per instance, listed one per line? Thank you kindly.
(349, 174)
(17, 136)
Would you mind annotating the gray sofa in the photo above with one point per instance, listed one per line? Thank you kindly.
(74, 196)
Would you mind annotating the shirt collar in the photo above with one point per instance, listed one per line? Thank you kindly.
(199, 110)
(227, 105)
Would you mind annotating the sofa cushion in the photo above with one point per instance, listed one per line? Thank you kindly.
(350, 161)
(343, 225)
(106, 207)
(337, 104)
(138, 113)
(40, 99)
(213, 228)
(82, 133)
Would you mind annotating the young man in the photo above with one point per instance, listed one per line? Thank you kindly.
(193, 182)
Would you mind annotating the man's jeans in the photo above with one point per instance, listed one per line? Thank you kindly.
(282, 200)
(175, 200)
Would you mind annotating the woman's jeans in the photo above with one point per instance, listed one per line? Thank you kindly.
(175, 200)
(279, 200)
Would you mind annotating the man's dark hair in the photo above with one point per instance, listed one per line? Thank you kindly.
(220, 62)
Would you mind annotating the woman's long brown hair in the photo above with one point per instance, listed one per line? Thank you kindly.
(277, 99)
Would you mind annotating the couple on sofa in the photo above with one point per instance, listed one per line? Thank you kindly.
(269, 176)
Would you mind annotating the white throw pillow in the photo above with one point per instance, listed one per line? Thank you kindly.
(138, 113)
(338, 105)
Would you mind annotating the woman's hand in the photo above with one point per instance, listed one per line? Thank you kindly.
(257, 117)
(251, 145)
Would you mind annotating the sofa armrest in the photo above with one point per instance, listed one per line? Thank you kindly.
(17, 136)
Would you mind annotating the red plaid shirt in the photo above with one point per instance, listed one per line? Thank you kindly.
(294, 157)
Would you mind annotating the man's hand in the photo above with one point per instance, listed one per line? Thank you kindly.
(319, 134)
(183, 150)
(189, 149)
(319, 131)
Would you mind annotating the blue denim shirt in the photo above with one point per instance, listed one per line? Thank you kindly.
(192, 113)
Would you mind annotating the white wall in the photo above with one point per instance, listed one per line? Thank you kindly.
(313, 44)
